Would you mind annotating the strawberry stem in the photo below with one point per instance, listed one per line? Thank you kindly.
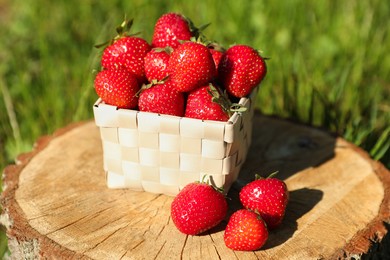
(212, 184)
(122, 30)
(204, 179)
(167, 49)
(258, 177)
(149, 85)
(272, 175)
(196, 32)
(124, 27)
(223, 100)
(216, 46)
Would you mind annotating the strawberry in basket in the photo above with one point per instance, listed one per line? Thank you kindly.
(156, 64)
(127, 51)
(162, 98)
(241, 69)
(209, 103)
(117, 87)
(122, 62)
(171, 29)
(188, 76)
(191, 65)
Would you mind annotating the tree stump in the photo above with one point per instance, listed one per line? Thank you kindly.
(56, 203)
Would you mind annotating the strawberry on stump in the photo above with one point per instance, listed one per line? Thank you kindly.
(268, 197)
(198, 207)
(245, 231)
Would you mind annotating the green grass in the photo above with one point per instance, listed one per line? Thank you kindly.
(329, 64)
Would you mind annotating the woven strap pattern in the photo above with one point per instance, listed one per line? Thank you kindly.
(161, 153)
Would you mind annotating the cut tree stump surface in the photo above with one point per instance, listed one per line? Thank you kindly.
(56, 203)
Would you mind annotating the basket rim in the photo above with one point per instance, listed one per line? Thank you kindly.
(243, 101)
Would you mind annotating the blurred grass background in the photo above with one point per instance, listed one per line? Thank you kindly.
(329, 62)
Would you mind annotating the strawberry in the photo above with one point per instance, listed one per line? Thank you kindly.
(217, 57)
(245, 231)
(267, 196)
(126, 51)
(203, 103)
(217, 52)
(162, 98)
(117, 87)
(241, 70)
(191, 65)
(197, 208)
(169, 29)
(156, 64)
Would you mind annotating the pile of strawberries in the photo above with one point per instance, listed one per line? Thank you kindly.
(179, 73)
(199, 207)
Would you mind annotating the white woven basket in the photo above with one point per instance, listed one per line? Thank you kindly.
(161, 153)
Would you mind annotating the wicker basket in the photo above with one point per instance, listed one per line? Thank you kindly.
(161, 154)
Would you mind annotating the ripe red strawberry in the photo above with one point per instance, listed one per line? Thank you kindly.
(163, 99)
(129, 52)
(217, 52)
(156, 64)
(267, 196)
(117, 87)
(169, 29)
(217, 57)
(245, 231)
(125, 50)
(204, 103)
(197, 208)
(241, 70)
(191, 65)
